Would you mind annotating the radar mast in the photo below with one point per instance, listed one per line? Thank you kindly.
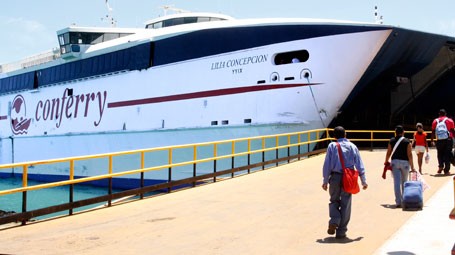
(109, 18)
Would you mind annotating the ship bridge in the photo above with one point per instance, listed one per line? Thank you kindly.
(75, 40)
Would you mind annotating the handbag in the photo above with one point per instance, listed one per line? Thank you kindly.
(350, 176)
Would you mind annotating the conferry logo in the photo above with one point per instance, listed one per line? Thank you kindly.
(19, 120)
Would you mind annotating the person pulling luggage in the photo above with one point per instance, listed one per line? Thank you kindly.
(400, 151)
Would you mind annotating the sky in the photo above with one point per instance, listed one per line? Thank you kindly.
(28, 27)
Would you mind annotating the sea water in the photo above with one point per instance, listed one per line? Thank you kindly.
(42, 198)
(37, 199)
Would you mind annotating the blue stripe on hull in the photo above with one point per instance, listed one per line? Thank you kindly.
(210, 42)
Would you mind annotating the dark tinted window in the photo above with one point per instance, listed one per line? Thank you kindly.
(291, 57)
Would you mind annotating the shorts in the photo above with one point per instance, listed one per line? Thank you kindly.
(420, 149)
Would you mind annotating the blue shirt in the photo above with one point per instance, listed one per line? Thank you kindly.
(351, 158)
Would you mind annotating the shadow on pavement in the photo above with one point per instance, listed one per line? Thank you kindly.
(390, 206)
(400, 253)
(335, 240)
(442, 175)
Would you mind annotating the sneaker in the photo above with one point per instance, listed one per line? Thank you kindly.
(332, 228)
(446, 173)
(398, 206)
(439, 170)
(340, 236)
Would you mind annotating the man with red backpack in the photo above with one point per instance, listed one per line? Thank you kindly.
(443, 128)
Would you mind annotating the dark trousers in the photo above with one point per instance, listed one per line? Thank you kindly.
(444, 149)
(340, 204)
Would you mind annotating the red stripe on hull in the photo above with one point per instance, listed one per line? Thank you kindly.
(209, 93)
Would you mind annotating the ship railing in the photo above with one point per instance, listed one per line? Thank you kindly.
(35, 60)
(240, 156)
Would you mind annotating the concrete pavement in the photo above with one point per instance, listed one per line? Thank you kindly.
(428, 231)
(277, 211)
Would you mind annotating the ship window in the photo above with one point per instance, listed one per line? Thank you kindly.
(173, 22)
(61, 41)
(291, 57)
(74, 38)
(110, 36)
(94, 38)
(225, 122)
(155, 25)
(214, 123)
(181, 21)
(65, 49)
(66, 38)
(203, 19)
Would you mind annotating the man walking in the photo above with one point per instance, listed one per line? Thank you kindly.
(443, 128)
(340, 201)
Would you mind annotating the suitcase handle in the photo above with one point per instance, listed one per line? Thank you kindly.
(413, 173)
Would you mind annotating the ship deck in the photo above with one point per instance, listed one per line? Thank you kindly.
(277, 211)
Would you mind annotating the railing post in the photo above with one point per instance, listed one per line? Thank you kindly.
(263, 153)
(289, 148)
(214, 161)
(299, 140)
(308, 144)
(109, 202)
(194, 164)
(249, 155)
(371, 141)
(327, 141)
(232, 158)
(71, 186)
(142, 173)
(169, 170)
(24, 193)
(277, 142)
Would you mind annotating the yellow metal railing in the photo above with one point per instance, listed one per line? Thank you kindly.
(170, 149)
(280, 142)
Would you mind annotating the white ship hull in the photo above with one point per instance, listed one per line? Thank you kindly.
(222, 96)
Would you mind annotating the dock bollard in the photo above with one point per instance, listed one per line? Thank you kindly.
(452, 213)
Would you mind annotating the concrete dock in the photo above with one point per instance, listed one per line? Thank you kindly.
(277, 211)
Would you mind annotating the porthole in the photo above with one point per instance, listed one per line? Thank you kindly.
(274, 77)
(306, 74)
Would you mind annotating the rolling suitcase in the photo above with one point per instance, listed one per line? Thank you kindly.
(412, 193)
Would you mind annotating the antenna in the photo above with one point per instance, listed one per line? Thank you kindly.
(109, 17)
(377, 19)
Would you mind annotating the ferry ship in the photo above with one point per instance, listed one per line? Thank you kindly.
(184, 78)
